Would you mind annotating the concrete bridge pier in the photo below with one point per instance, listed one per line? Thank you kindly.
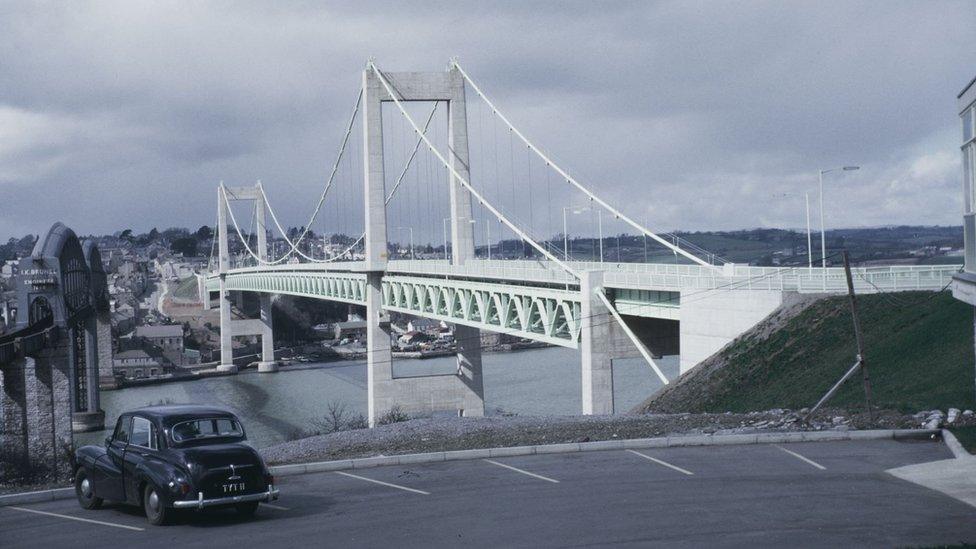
(48, 406)
(103, 337)
(267, 363)
(223, 296)
(595, 346)
(13, 420)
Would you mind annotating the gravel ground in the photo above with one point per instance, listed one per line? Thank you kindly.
(443, 434)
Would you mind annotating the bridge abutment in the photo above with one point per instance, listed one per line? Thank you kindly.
(712, 319)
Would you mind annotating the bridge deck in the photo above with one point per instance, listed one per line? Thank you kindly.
(538, 300)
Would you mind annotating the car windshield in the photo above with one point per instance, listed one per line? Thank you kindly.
(198, 429)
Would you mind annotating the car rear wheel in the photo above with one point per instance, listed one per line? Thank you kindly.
(156, 512)
(85, 491)
(246, 509)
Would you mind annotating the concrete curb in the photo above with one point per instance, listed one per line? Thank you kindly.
(660, 442)
(37, 497)
(564, 448)
(955, 446)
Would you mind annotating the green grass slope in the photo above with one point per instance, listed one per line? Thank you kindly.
(186, 289)
(919, 351)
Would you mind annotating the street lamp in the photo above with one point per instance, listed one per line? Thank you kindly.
(411, 239)
(823, 233)
(578, 210)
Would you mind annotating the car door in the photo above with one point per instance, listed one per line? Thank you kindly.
(108, 471)
(138, 451)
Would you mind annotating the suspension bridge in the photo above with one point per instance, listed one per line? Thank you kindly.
(429, 153)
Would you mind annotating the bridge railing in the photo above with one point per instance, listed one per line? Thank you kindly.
(668, 277)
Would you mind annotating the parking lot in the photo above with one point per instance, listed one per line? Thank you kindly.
(801, 494)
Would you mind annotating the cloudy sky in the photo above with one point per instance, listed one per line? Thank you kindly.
(711, 115)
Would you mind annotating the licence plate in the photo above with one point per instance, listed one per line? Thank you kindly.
(233, 487)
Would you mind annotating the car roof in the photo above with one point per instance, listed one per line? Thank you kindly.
(173, 413)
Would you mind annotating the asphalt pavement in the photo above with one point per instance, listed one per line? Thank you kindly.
(815, 494)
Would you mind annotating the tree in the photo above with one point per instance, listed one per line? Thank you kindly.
(153, 234)
(204, 233)
(186, 245)
(126, 235)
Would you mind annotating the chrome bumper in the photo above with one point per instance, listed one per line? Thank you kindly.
(200, 503)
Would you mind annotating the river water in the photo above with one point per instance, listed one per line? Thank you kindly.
(276, 406)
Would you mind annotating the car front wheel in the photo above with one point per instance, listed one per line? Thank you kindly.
(156, 511)
(85, 491)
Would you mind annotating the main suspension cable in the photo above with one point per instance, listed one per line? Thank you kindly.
(464, 182)
(571, 180)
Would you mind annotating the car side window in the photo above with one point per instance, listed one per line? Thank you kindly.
(122, 429)
(141, 432)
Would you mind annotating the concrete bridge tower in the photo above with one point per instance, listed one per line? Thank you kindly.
(464, 390)
(264, 325)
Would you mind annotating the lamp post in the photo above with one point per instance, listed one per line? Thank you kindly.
(823, 233)
(806, 197)
(578, 210)
(411, 239)
(645, 242)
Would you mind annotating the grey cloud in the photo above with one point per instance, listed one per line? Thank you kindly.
(689, 114)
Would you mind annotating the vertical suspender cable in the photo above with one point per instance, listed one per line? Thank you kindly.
(463, 181)
(569, 179)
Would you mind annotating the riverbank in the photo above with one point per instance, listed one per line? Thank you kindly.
(331, 355)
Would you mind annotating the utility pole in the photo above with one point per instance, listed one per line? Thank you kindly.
(857, 334)
(859, 363)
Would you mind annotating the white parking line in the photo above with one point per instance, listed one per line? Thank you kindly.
(79, 519)
(798, 456)
(382, 483)
(517, 470)
(661, 462)
(278, 507)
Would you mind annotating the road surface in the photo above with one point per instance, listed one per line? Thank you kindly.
(803, 494)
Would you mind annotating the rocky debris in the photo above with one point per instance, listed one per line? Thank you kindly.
(952, 416)
(936, 419)
(440, 434)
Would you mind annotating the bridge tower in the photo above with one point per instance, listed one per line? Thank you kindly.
(464, 390)
(263, 326)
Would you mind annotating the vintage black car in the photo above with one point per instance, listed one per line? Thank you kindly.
(174, 457)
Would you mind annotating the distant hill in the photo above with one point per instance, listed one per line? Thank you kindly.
(919, 350)
(898, 245)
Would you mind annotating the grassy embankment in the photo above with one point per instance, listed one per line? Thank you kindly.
(186, 289)
(919, 350)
